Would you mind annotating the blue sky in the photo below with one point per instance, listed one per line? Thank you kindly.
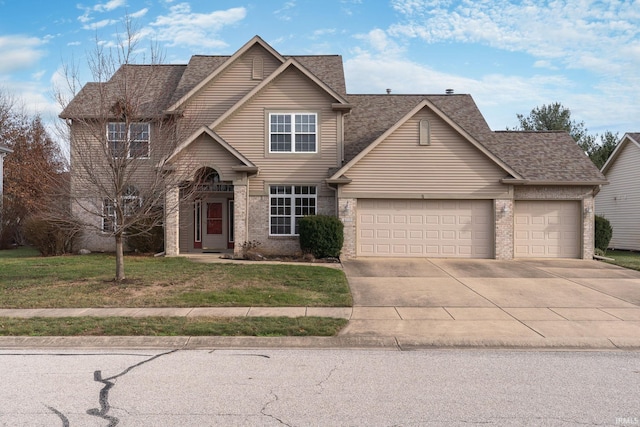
(511, 56)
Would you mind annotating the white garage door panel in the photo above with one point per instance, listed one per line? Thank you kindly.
(547, 229)
(432, 228)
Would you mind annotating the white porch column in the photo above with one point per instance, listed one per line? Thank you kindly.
(172, 221)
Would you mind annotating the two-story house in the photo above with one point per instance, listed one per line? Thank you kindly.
(270, 138)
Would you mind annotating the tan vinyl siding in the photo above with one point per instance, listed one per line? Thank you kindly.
(228, 88)
(89, 152)
(247, 131)
(449, 165)
(205, 152)
(619, 201)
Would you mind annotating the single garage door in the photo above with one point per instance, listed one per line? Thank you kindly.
(547, 229)
(425, 228)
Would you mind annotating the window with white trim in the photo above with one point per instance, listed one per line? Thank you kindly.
(293, 132)
(108, 216)
(287, 204)
(130, 143)
(131, 202)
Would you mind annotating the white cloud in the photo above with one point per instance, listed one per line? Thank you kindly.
(323, 32)
(379, 41)
(140, 13)
(99, 24)
(182, 27)
(109, 6)
(86, 17)
(19, 52)
(600, 40)
(499, 97)
(283, 12)
(573, 33)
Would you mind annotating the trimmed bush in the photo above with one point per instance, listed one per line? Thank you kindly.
(147, 234)
(321, 235)
(603, 232)
(145, 239)
(48, 237)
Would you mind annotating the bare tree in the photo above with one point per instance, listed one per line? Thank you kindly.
(120, 138)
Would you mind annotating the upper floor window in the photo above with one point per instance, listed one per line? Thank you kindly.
(129, 143)
(293, 132)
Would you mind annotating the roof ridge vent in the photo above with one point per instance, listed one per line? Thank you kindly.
(449, 92)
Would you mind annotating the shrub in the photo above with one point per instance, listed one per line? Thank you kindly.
(603, 232)
(321, 235)
(49, 237)
(146, 237)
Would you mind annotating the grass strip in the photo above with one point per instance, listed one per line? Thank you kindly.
(171, 326)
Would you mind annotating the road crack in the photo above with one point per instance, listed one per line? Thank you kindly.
(63, 418)
(105, 406)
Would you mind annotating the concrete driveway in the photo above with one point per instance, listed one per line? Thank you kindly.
(569, 303)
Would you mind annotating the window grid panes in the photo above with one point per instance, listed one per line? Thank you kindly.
(131, 202)
(287, 204)
(293, 133)
(108, 216)
(117, 138)
(139, 136)
(136, 139)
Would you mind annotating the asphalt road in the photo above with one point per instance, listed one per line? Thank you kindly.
(318, 387)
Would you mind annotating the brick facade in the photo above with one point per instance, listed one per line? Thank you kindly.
(503, 214)
(258, 219)
(172, 222)
(240, 227)
(347, 209)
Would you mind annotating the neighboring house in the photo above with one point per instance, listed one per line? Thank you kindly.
(619, 201)
(279, 137)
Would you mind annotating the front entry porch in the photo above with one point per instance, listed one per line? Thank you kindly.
(213, 223)
(205, 215)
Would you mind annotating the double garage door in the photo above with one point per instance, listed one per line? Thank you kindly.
(465, 228)
(425, 228)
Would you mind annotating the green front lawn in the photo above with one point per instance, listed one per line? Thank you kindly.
(627, 259)
(30, 281)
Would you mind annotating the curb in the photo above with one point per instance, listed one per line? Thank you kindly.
(318, 343)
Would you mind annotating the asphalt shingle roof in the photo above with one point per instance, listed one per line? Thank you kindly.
(536, 156)
(150, 86)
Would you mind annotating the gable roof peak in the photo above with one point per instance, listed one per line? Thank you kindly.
(225, 63)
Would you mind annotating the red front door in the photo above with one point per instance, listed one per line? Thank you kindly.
(214, 218)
